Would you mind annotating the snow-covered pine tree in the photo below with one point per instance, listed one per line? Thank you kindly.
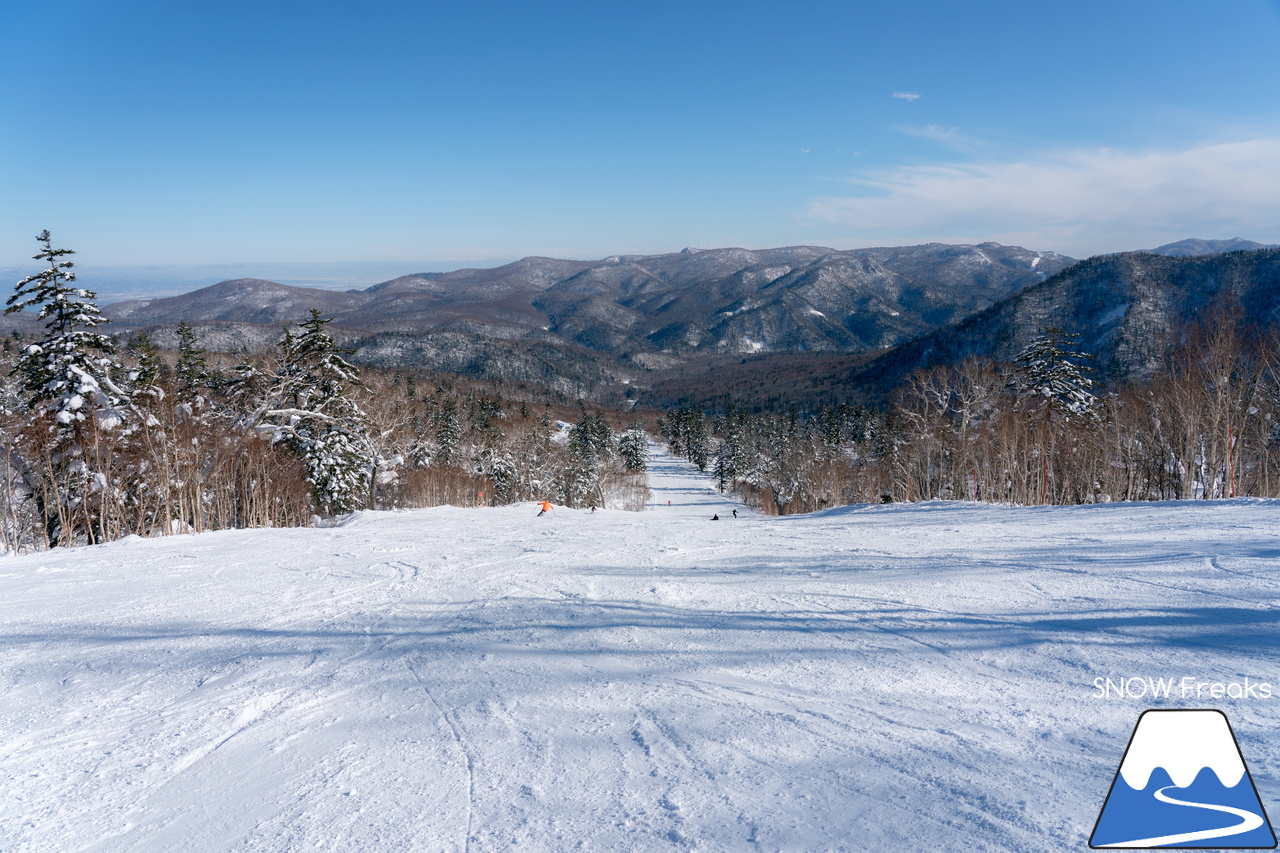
(601, 435)
(505, 481)
(421, 447)
(723, 466)
(143, 378)
(313, 415)
(72, 399)
(588, 444)
(248, 394)
(732, 460)
(686, 433)
(1048, 373)
(633, 447)
(67, 372)
(1051, 368)
(192, 369)
(448, 430)
(591, 436)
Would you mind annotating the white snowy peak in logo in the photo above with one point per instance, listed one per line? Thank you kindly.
(1183, 743)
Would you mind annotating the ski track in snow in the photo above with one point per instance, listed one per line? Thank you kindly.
(873, 678)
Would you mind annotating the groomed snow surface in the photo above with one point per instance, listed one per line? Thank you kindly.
(882, 678)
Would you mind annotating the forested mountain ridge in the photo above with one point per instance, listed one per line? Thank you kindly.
(799, 298)
(802, 323)
(1129, 310)
(1194, 247)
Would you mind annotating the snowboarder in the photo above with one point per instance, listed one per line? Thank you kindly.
(715, 517)
(546, 507)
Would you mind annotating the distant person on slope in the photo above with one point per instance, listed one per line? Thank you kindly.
(735, 513)
(546, 508)
(715, 517)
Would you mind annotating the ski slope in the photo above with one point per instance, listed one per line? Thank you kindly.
(881, 678)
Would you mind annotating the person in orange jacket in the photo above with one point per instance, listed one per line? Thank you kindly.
(546, 507)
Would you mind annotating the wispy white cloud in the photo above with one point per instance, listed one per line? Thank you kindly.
(1079, 202)
(907, 96)
(932, 131)
(951, 137)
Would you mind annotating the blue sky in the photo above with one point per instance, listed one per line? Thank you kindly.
(240, 133)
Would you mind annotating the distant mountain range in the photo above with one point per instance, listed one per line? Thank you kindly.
(726, 301)
(800, 323)
(1196, 247)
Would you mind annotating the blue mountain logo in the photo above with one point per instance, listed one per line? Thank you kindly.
(1183, 784)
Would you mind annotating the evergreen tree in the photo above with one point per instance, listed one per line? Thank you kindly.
(1048, 373)
(697, 442)
(686, 433)
(143, 378)
(590, 443)
(420, 446)
(633, 447)
(1051, 368)
(732, 460)
(724, 467)
(71, 397)
(248, 394)
(448, 431)
(312, 414)
(505, 480)
(67, 372)
(591, 437)
(192, 369)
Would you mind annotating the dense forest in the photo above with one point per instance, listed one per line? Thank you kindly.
(1035, 431)
(105, 440)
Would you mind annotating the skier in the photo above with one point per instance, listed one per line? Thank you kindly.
(593, 507)
(735, 513)
(546, 507)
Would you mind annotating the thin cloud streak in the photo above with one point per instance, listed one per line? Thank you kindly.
(1080, 202)
(906, 96)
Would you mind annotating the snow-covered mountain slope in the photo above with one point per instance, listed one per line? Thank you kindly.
(1194, 247)
(725, 301)
(1130, 311)
(877, 678)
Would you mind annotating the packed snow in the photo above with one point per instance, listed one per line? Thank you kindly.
(886, 678)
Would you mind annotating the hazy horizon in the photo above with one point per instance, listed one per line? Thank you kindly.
(153, 281)
(120, 283)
